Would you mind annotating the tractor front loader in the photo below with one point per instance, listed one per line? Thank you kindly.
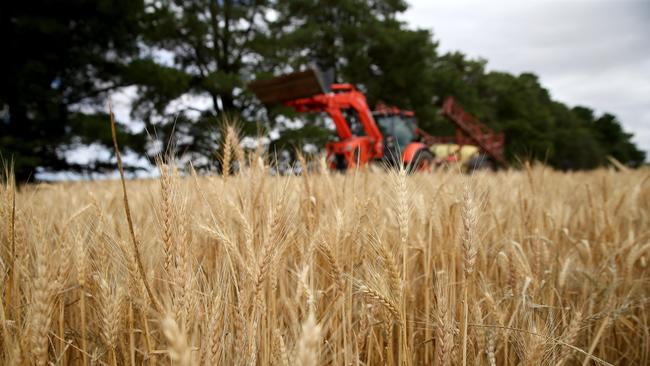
(361, 139)
(387, 135)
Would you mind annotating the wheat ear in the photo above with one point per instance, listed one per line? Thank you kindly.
(469, 216)
(226, 157)
(570, 337)
(307, 352)
(179, 350)
(41, 310)
(382, 300)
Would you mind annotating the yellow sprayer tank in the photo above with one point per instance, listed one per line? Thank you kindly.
(447, 152)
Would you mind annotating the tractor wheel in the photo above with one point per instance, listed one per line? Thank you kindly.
(423, 161)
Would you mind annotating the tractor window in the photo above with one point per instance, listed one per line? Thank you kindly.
(385, 124)
(402, 128)
(403, 134)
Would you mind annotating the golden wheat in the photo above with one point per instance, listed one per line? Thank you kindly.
(531, 267)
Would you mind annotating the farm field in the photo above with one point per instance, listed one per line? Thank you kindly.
(529, 267)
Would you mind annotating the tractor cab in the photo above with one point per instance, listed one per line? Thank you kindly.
(399, 129)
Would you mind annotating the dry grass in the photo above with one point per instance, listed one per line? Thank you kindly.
(529, 267)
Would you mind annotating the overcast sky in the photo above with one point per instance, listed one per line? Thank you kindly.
(586, 52)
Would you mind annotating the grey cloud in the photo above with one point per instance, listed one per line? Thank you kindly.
(593, 53)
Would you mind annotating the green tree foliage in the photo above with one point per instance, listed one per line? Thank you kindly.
(204, 50)
(615, 141)
(336, 35)
(59, 59)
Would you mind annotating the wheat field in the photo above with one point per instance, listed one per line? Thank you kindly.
(374, 267)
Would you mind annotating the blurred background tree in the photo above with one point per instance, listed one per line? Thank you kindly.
(60, 60)
(188, 63)
(197, 57)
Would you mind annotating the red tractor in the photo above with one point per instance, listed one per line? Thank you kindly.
(387, 134)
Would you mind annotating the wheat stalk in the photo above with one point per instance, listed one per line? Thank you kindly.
(129, 220)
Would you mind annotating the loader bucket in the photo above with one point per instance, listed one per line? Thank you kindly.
(288, 87)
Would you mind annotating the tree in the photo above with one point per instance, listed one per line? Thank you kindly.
(360, 42)
(574, 144)
(60, 59)
(335, 35)
(199, 52)
(616, 142)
